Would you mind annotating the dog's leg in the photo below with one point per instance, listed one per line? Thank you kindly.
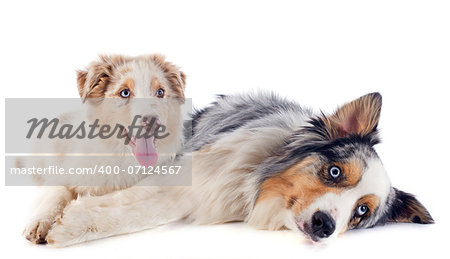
(49, 207)
(126, 211)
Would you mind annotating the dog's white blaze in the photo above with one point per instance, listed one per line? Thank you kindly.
(374, 180)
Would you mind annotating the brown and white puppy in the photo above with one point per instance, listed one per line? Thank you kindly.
(269, 162)
(116, 90)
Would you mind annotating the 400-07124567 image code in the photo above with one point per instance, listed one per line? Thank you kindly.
(102, 170)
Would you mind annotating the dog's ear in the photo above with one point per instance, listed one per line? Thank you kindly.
(93, 81)
(404, 207)
(183, 78)
(175, 77)
(359, 117)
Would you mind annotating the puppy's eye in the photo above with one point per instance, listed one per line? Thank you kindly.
(125, 93)
(160, 93)
(361, 210)
(334, 172)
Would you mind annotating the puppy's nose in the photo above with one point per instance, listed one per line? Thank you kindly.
(150, 124)
(322, 224)
(149, 120)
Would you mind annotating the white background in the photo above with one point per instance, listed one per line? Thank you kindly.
(321, 53)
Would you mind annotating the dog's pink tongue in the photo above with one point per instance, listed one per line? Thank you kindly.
(145, 152)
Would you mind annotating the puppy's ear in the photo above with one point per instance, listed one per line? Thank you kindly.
(359, 117)
(183, 78)
(175, 77)
(404, 207)
(92, 82)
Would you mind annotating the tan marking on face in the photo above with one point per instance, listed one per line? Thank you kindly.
(128, 83)
(371, 201)
(352, 171)
(155, 85)
(301, 184)
(115, 89)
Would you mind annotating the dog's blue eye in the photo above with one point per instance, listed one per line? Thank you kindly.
(125, 93)
(362, 209)
(334, 171)
(160, 93)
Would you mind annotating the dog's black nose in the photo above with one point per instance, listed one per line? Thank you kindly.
(322, 224)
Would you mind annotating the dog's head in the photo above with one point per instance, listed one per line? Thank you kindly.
(144, 91)
(334, 179)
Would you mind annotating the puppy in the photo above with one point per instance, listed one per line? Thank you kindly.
(268, 162)
(115, 90)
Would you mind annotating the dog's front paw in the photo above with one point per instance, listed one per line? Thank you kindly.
(76, 226)
(36, 231)
(62, 235)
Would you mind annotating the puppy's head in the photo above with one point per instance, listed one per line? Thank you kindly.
(142, 91)
(143, 76)
(334, 179)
